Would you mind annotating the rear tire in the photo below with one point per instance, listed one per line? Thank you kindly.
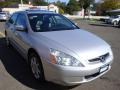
(36, 67)
(7, 40)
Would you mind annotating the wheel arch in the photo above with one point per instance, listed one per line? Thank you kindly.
(30, 50)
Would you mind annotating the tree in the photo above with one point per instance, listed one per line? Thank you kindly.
(85, 4)
(61, 11)
(62, 6)
(110, 5)
(39, 2)
(17, 1)
(72, 6)
(107, 5)
(8, 3)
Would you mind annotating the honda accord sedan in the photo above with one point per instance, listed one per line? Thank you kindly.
(56, 49)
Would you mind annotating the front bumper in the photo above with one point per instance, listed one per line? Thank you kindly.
(72, 75)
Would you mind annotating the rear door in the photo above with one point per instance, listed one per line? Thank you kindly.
(10, 27)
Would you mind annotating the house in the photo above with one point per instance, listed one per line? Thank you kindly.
(50, 7)
(81, 13)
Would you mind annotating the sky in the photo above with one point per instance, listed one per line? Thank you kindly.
(64, 0)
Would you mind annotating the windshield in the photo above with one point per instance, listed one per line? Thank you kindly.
(50, 22)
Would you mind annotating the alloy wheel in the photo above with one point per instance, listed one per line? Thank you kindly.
(35, 67)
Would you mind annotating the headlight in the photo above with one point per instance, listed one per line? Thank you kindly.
(61, 58)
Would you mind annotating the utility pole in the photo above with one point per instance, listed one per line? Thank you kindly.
(22, 3)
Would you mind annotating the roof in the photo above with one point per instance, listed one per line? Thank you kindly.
(38, 11)
(30, 11)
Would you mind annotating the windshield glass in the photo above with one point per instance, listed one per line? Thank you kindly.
(50, 22)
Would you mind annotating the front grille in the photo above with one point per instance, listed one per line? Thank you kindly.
(100, 58)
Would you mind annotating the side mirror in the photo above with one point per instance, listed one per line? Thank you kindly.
(20, 28)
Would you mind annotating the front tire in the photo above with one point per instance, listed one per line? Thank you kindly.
(36, 67)
(115, 23)
(119, 24)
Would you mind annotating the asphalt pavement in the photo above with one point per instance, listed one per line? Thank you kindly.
(15, 74)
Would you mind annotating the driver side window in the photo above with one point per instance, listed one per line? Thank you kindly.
(13, 18)
(21, 20)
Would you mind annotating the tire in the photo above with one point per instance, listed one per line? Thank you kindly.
(119, 24)
(7, 40)
(36, 67)
(115, 23)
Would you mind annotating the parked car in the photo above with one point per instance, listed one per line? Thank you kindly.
(4, 16)
(113, 20)
(104, 19)
(56, 49)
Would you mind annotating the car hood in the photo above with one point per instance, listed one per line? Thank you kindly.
(81, 42)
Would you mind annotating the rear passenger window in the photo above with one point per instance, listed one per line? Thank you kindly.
(13, 18)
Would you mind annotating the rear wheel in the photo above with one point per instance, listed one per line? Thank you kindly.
(7, 40)
(36, 66)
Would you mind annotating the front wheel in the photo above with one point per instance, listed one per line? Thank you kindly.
(115, 23)
(36, 66)
(119, 24)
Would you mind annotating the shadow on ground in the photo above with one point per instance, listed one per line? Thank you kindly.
(101, 24)
(104, 25)
(17, 67)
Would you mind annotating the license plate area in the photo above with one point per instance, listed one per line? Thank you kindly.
(104, 68)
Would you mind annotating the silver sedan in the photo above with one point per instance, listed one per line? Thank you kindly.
(56, 49)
